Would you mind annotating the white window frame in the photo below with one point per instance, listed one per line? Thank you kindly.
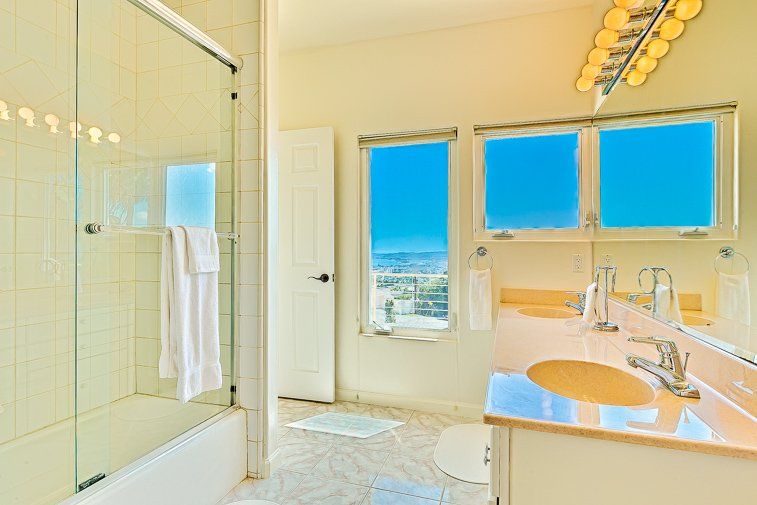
(725, 176)
(399, 139)
(483, 133)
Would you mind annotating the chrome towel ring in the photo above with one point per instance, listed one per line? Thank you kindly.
(480, 252)
(729, 253)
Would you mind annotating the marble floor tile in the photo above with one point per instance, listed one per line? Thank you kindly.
(465, 493)
(417, 443)
(384, 441)
(434, 423)
(381, 497)
(274, 488)
(415, 477)
(314, 491)
(300, 455)
(351, 464)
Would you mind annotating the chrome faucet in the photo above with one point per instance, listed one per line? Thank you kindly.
(670, 370)
(581, 305)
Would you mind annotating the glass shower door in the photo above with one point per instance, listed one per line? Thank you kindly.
(154, 150)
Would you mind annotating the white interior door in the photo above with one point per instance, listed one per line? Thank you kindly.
(306, 264)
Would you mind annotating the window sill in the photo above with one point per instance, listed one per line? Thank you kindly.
(407, 337)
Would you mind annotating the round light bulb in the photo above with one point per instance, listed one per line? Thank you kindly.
(671, 29)
(646, 64)
(94, 134)
(598, 56)
(616, 18)
(27, 115)
(590, 71)
(636, 78)
(606, 38)
(74, 128)
(114, 137)
(626, 4)
(4, 114)
(658, 48)
(687, 9)
(52, 121)
(583, 84)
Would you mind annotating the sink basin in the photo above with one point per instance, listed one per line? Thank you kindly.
(591, 382)
(696, 321)
(546, 312)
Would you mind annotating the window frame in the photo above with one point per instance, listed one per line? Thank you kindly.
(366, 326)
(725, 176)
(483, 133)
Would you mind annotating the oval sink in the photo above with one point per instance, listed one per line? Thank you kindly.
(591, 382)
(696, 321)
(546, 312)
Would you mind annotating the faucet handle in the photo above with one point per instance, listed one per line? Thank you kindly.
(580, 294)
(664, 345)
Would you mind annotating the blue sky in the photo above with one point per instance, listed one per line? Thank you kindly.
(532, 182)
(409, 193)
(658, 175)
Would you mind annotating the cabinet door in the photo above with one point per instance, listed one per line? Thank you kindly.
(498, 455)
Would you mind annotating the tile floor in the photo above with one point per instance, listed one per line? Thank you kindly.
(392, 468)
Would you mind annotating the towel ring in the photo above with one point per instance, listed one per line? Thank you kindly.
(480, 252)
(655, 271)
(729, 253)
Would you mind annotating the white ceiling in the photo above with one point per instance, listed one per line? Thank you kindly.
(313, 23)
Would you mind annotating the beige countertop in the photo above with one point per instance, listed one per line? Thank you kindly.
(712, 424)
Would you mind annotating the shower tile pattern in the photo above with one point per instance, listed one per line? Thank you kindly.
(331, 469)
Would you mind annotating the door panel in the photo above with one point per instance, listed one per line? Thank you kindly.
(306, 264)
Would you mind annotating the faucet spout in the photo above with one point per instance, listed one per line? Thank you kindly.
(578, 307)
(669, 369)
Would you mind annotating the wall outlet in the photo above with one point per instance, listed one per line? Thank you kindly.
(578, 263)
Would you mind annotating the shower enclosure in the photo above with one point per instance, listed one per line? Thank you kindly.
(116, 113)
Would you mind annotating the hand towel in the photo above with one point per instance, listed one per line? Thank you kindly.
(667, 306)
(480, 299)
(587, 321)
(733, 298)
(202, 249)
(190, 348)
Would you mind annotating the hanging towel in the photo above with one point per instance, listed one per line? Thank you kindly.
(587, 321)
(733, 297)
(667, 303)
(190, 349)
(480, 299)
(202, 249)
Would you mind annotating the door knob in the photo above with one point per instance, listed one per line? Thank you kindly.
(323, 278)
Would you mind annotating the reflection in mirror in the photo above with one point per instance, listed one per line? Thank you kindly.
(674, 163)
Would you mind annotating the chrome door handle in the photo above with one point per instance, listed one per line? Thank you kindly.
(323, 278)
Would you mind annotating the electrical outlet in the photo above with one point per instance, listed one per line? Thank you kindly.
(608, 260)
(578, 263)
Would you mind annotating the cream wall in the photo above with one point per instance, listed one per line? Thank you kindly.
(721, 36)
(503, 71)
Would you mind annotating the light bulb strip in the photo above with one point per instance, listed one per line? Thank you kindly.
(29, 116)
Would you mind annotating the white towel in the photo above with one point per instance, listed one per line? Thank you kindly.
(733, 298)
(667, 303)
(202, 249)
(190, 349)
(480, 299)
(587, 320)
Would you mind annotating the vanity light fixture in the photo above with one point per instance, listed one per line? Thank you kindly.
(114, 137)
(4, 114)
(94, 134)
(636, 34)
(27, 115)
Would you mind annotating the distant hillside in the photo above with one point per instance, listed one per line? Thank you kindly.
(432, 262)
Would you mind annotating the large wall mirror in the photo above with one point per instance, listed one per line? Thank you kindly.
(675, 160)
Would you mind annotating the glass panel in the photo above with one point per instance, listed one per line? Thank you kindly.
(37, 100)
(161, 154)
(665, 184)
(532, 182)
(409, 188)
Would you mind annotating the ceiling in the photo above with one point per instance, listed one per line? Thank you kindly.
(312, 23)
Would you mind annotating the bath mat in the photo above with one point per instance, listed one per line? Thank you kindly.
(460, 452)
(345, 424)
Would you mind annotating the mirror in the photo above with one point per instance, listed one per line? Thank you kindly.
(676, 169)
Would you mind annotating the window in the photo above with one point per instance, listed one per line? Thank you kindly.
(191, 195)
(531, 181)
(407, 235)
(664, 175)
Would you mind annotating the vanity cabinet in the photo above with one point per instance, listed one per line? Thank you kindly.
(539, 468)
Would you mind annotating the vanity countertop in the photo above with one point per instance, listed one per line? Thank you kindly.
(712, 424)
